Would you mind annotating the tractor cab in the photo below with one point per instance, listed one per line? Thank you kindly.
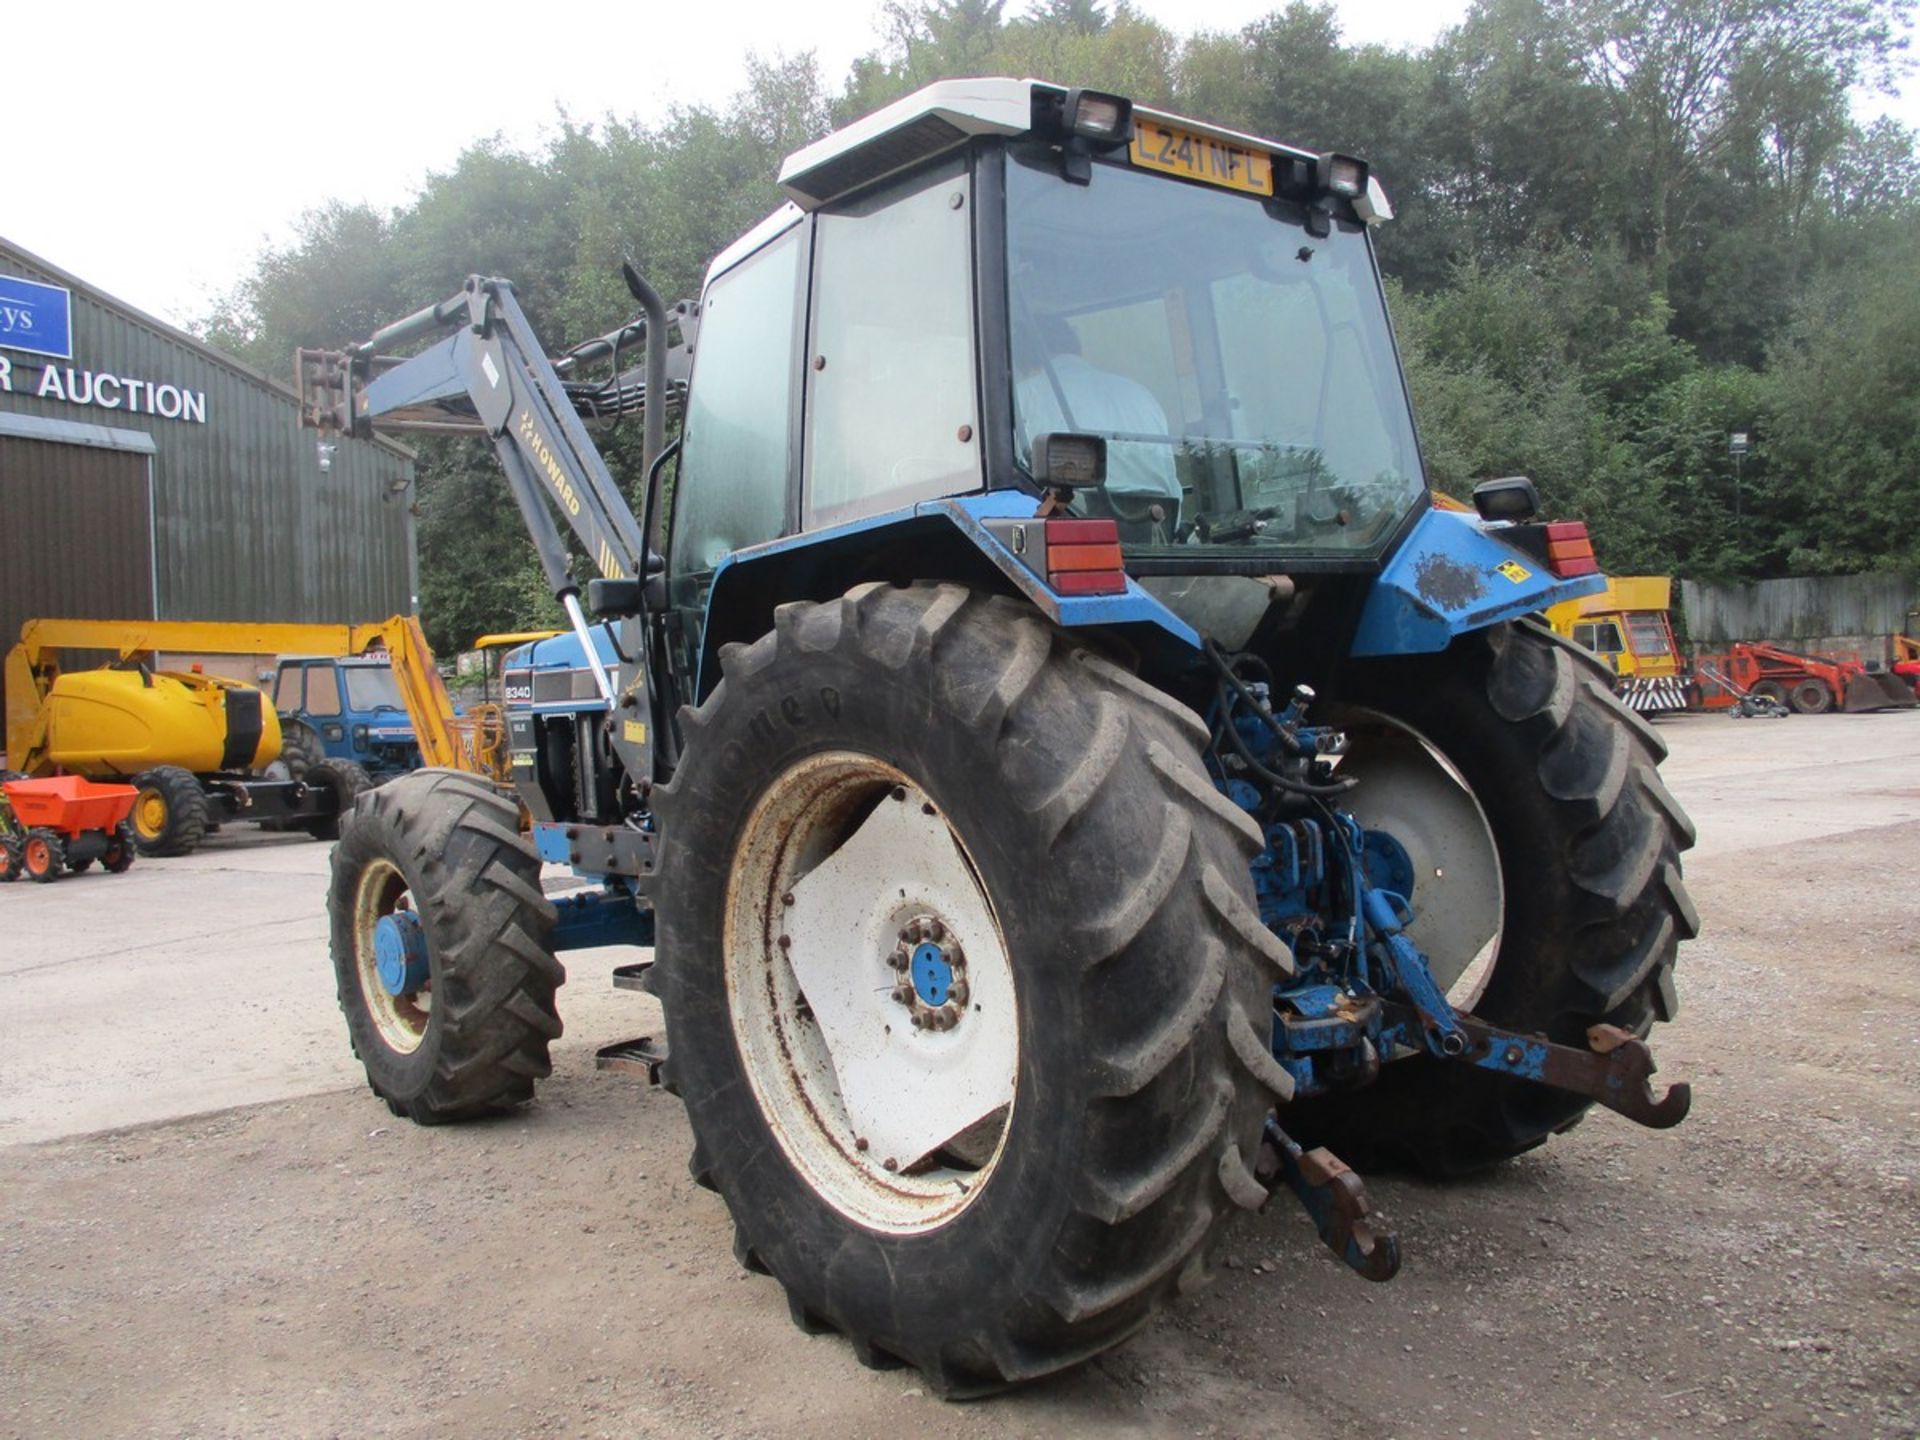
(1168, 337)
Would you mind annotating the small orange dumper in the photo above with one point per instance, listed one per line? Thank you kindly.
(63, 823)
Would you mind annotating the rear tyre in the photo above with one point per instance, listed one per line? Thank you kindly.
(42, 855)
(1772, 690)
(342, 783)
(1587, 843)
(10, 859)
(436, 859)
(170, 813)
(1812, 696)
(1040, 827)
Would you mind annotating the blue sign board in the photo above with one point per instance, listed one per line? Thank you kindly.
(36, 318)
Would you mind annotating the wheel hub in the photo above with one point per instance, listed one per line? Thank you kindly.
(932, 974)
(871, 993)
(151, 816)
(400, 952)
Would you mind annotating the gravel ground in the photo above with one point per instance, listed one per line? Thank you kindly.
(309, 1266)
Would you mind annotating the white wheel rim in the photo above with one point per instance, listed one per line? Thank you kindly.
(400, 1020)
(1415, 794)
(844, 865)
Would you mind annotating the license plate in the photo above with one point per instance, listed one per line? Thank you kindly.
(1200, 157)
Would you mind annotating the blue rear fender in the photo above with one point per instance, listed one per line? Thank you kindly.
(1449, 577)
(936, 540)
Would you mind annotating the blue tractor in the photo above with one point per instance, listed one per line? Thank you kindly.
(1074, 780)
(343, 708)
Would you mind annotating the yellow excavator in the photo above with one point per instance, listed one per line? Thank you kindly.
(204, 749)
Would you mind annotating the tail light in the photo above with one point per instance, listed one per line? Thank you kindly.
(1569, 550)
(1083, 558)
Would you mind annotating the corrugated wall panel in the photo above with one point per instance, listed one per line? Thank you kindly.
(74, 538)
(1822, 607)
(247, 525)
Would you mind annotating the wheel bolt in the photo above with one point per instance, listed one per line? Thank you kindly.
(860, 1142)
(786, 942)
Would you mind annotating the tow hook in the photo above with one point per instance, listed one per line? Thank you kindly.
(1617, 1071)
(1335, 1199)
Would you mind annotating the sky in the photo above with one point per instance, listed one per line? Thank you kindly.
(156, 150)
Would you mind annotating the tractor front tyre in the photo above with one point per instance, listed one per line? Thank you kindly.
(440, 940)
(1558, 814)
(43, 854)
(170, 813)
(341, 783)
(967, 991)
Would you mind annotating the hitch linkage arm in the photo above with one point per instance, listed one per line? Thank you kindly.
(1617, 1070)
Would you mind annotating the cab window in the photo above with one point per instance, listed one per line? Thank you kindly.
(890, 376)
(286, 689)
(731, 491)
(323, 691)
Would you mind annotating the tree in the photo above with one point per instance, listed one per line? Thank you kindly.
(1690, 84)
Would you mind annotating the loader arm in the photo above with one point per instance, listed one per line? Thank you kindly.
(491, 376)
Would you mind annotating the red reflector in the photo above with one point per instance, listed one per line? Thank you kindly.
(1088, 582)
(1568, 569)
(1566, 530)
(1083, 557)
(1082, 532)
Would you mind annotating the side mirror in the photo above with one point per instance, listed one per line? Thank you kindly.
(608, 599)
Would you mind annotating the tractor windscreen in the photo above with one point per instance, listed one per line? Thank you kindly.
(1239, 367)
(372, 687)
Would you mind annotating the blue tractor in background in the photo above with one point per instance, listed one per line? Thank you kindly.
(1073, 778)
(343, 708)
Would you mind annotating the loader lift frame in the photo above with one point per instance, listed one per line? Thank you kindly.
(535, 421)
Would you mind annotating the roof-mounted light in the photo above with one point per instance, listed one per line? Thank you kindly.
(1099, 117)
(1342, 175)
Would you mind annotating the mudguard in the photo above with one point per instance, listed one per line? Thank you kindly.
(1451, 576)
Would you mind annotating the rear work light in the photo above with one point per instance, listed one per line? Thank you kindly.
(1343, 175)
(1569, 550)
(1083, 558)
(1099, 117)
